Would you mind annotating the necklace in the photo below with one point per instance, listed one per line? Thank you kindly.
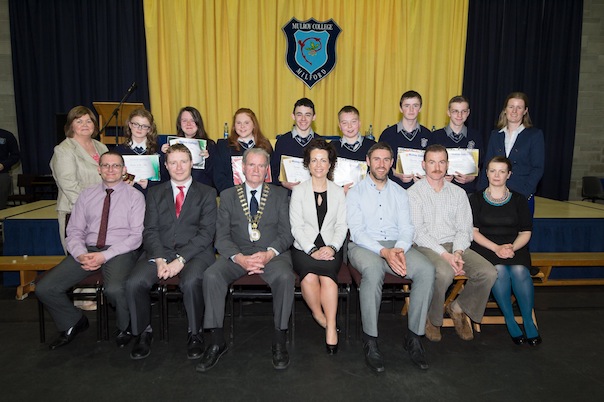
(253, 220)
(497, 201)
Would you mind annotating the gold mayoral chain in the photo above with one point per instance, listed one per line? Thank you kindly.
(253, 221)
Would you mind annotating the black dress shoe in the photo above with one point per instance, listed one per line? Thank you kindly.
(142, 346)
(280, 356)
(66, 337)
(373, 356)
(534, 341)
(210, 357)
(123, 338)
(413, 345)
(194, 346)
(331, 349)
(519, 340)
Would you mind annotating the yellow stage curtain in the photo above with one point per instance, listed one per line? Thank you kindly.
(220, 55)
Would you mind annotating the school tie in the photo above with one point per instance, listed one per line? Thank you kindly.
(100, 243)
(303, 141)
(247, 145)
(456, 137)
(352, 147)
(139, 150)
(253, 203)
(180, 199)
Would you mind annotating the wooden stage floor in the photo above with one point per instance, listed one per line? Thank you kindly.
(546, 208)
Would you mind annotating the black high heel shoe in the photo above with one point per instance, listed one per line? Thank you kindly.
(519, 340)
(331, 349)
(534, 341)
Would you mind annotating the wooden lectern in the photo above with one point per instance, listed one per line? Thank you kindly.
(105, 110)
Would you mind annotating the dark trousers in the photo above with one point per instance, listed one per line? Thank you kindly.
(52, 289)
(144, 276)
(278, 273)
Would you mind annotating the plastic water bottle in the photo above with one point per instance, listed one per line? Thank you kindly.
(369, 134)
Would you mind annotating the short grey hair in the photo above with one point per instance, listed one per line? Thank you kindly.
(256, 151)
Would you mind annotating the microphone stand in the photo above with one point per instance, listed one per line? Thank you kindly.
(116, 113)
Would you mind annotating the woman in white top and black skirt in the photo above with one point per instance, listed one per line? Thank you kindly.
(318, 220)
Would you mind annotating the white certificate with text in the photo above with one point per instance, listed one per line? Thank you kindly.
(349, 171)
(410, 161)
(463, 160)
(143, 166)
(195, 145)
(293, 170)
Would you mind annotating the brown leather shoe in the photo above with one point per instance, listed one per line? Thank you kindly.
(432, 332)
(461, 322)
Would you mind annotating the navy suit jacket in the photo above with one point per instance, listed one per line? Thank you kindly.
(191, 234)
(527, 157)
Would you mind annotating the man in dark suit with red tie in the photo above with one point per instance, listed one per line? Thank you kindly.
(180, 222)
(104, 232)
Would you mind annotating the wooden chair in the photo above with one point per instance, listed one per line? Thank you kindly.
(166, 289)
(24, 190)
(94, 281)
(591, 189)
(344, 288)
(344, 282)
(253, 287)
(394, 287)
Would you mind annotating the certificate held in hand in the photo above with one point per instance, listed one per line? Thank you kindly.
(293, 170)
(143, 166)
(196, 146)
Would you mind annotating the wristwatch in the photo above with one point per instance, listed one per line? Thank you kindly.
(181, 259)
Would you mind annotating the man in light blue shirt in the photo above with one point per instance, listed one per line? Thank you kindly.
(382, 234)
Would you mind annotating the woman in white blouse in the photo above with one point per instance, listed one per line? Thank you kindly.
(318, 220)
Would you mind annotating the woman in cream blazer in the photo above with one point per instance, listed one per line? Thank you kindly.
(318, 220)
(75, 161)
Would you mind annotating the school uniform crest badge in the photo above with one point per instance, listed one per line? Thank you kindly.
(311, 48)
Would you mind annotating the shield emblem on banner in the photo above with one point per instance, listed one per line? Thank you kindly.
(311, 48)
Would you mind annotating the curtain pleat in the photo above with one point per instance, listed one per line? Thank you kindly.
(532, 47)
(67, 53)
(220, 55)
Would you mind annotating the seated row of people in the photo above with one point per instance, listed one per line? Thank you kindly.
(75, 159)
(424, 235)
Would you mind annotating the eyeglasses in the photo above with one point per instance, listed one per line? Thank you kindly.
(140, 126)
(108, 166)
(459, 112)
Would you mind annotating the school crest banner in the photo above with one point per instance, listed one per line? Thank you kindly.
(311, 48)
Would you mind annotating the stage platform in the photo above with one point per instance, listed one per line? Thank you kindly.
(552, 209)
(559, 226)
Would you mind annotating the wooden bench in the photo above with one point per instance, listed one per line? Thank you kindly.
(28, 267)
(547, 261)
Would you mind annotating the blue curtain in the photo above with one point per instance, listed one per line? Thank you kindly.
(533, 47)
(67, 53)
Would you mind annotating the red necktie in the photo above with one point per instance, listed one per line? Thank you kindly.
(180, 199)
(100, 243)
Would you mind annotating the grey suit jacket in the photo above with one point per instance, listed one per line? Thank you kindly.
(232, 236)
(191, 234)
